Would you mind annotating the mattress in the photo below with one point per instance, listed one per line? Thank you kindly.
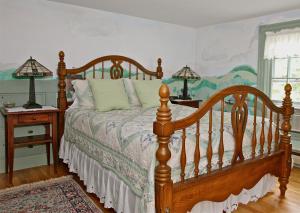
(122, 141)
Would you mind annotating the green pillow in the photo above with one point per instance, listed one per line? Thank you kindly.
(109, 94)
(148, 92)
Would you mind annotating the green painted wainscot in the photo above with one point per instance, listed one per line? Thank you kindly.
(16, 90)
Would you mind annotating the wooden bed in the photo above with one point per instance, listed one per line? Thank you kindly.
(214, 185)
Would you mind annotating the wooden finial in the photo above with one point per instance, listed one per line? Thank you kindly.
(164, 91)
(288, 109)
(285, 140)
(159, 61)
(61, 56)
(159, 72)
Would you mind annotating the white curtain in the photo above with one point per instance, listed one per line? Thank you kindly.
(282, 44)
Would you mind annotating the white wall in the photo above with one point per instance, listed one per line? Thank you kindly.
(224, 46)
(41, 28)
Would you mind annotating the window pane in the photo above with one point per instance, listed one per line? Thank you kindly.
(295, 91)
(295, 68)
(280, 68)
(277, 90)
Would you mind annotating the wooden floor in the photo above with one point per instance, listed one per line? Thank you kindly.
(269, 204)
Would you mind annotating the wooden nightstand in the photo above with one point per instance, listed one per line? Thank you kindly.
(190, 103)
(18, 116)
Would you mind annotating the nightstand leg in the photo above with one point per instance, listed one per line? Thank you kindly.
(47, 129)
(10, 145)
(54, 141)
(6, 148)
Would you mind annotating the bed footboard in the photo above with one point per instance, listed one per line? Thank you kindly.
(218, 184)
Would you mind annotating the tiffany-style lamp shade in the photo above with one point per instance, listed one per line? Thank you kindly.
(186, 73)
(32, 69)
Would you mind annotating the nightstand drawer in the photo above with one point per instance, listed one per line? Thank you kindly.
(33, 118)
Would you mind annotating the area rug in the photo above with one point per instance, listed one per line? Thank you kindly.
(57, 195)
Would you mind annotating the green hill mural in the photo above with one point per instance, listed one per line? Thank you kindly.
(7, 74)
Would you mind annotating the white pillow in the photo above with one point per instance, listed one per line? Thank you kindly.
(84, 94)
(131, 93)
(75, 102)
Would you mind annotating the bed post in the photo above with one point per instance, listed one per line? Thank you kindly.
(159, 72)
(61, 98)
(285, 140)
(163, 128)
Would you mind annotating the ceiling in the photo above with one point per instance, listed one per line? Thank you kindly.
(192, 13)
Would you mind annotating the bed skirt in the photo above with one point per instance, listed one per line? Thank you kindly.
(114, 193)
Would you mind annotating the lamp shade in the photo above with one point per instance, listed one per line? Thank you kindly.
(32, 68)
(186, 73)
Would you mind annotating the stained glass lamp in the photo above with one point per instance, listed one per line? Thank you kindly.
(186, 73)
(32, 69)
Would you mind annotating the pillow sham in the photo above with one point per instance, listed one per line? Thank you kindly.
(109, 94)
(83, 94)
(148, 92)
(130, 90)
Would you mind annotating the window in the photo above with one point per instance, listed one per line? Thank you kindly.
(285, 70)
(279, 60)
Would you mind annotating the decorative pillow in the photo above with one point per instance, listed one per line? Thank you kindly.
(148, 92)
(132, 96)
(109, 94)
(83, 94)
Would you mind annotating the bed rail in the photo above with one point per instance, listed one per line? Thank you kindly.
(116, 65)
(217, 185)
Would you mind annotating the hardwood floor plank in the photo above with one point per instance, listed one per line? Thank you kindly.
(270, 203)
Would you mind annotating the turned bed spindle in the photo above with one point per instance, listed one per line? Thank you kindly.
(197, 149)
(254, 140)
(277, 133)
(262, 133)
(183, 155)
(221, 144)
(129, 70)
(209, 145)
(270, 132)
(102, 69)
(94, 72)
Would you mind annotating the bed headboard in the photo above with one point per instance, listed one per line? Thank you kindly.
(116, 69)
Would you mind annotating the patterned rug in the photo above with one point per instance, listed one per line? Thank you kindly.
(57, 195)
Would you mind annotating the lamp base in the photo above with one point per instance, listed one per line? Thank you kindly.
(182, 97)
(32, 106)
